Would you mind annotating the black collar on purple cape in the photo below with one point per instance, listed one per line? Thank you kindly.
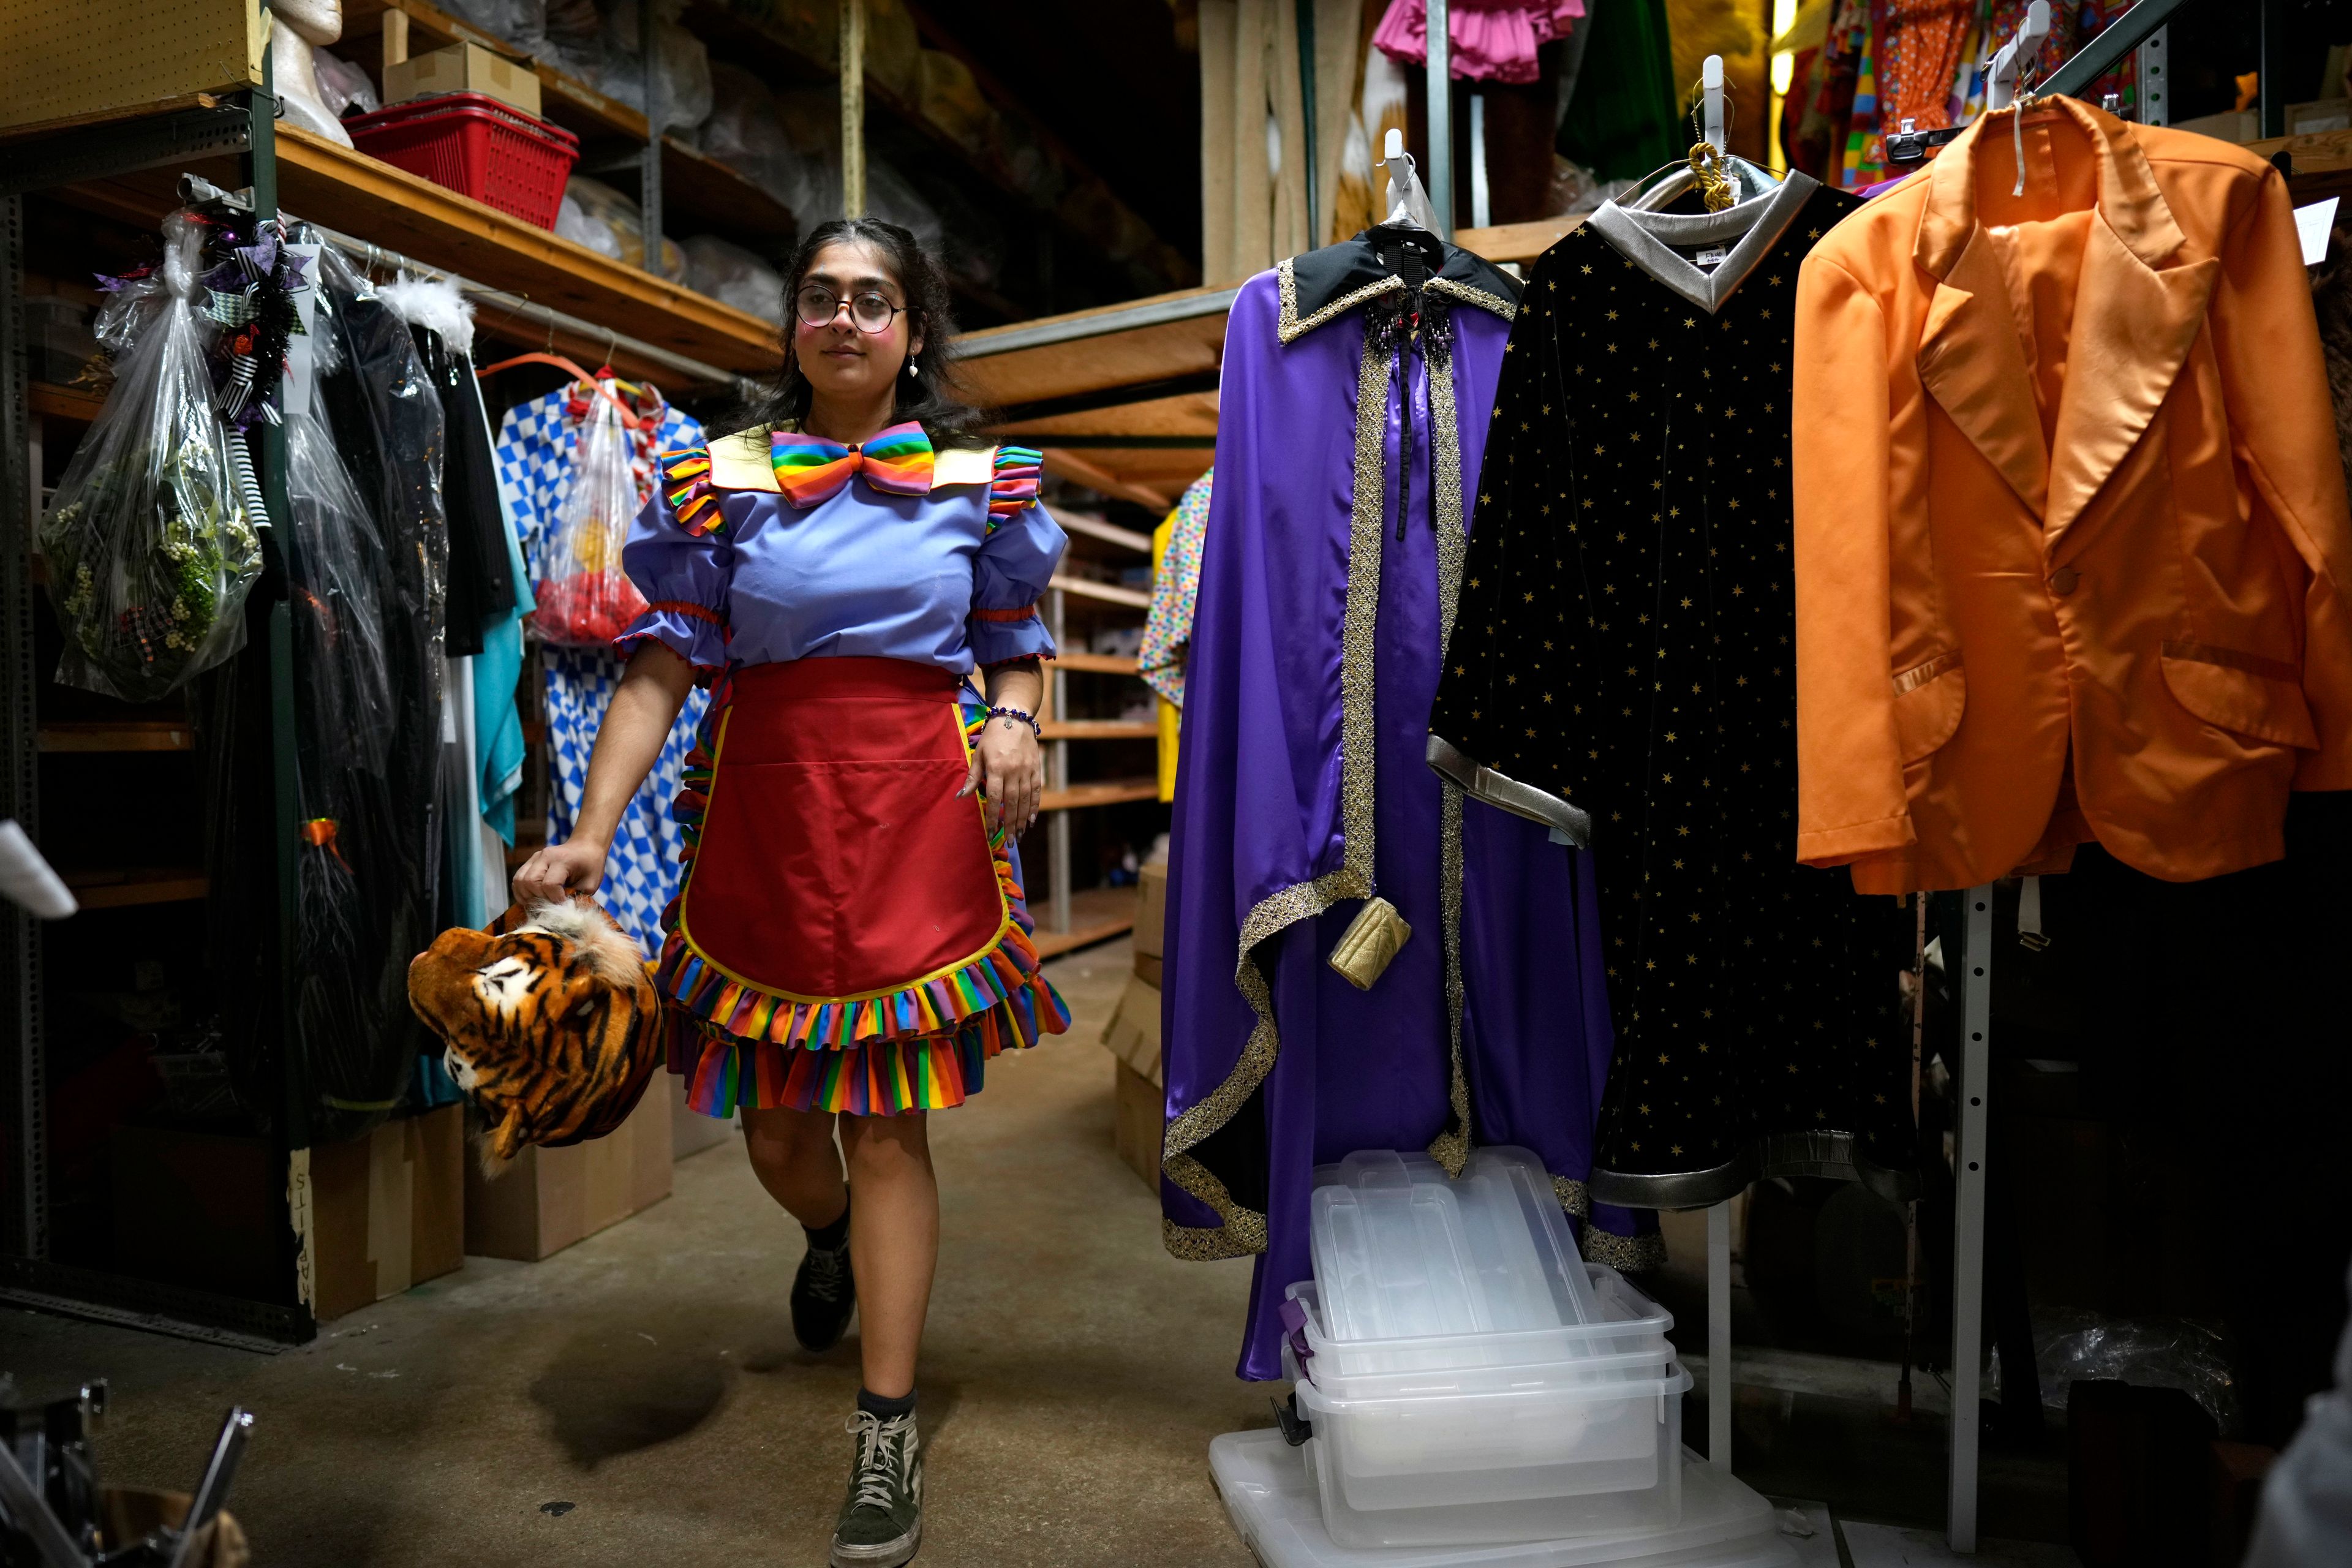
(1323, 285)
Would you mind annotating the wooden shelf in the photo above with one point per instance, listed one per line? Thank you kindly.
(119, 735)
(1100, 729)
(899, 132)
(694, 184)
(123, 888)
(1520, 242)
(1111, 792)
(1096, 914)
(1109, 592)
(1096, 663)
(1094, 527)
(63, 402)
(333, 186)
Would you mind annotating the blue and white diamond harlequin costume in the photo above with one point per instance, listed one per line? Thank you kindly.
(537, 442)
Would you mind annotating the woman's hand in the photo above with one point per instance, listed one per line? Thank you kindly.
(559, 871)
(1007, 761)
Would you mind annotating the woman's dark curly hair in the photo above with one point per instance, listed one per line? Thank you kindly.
(929, 393)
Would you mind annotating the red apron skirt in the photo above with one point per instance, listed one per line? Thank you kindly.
(849, 936)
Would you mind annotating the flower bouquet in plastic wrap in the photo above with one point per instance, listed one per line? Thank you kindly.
(150, 546)
(586, 600)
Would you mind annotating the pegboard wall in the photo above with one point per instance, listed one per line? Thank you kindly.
(64, 60)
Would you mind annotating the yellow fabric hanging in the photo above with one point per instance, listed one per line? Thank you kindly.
(1168, 714)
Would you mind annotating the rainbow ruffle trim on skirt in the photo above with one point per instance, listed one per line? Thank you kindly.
(924, 1046)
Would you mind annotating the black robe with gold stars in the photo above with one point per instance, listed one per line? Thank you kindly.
(1627, 641)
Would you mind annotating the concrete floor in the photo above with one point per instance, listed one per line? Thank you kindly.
(639, 1398)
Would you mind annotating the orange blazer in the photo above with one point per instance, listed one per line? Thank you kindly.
(2071, 538)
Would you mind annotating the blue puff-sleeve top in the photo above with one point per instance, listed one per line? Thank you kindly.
(947, 567)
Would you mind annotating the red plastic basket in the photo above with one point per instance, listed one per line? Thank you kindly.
(477, 146)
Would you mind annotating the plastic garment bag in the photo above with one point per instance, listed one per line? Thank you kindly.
(353, 890)
(149, 548)
(585, 599)
(369, 575)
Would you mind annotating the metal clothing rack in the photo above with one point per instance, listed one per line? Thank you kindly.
(2142, 28)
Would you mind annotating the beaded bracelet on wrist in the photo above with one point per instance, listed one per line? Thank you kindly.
(1015, 713)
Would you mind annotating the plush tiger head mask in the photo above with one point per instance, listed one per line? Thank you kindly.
(550, 1022)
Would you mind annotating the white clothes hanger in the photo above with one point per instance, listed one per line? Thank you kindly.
(1748, 179)
(1408, 203)
(2002, 77)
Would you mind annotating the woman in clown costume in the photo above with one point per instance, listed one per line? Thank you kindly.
(850, 945)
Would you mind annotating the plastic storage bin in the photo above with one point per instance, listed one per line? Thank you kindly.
(477, 146)
(1471, 1376)
(1724, 1523)
(1532, 1464)
(1624, 1323)
(1401, 1250)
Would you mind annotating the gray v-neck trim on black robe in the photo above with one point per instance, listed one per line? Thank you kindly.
(1649, 240)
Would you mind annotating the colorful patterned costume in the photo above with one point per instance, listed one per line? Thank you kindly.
(536, 441)
(849, 936)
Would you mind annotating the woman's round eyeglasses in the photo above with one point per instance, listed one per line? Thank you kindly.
(869, 312)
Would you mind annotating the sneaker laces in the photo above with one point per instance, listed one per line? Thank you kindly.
(828, 1272)
(882, 1453)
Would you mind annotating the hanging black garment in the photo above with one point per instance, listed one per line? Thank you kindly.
(481, 579)
(1627, 641)
(372, 809)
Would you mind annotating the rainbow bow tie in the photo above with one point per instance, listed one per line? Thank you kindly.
(810, 468)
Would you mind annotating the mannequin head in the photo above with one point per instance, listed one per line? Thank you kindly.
(317, 22)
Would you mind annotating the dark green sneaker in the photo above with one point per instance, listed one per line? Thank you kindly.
(882, 1522)
(825, 1292)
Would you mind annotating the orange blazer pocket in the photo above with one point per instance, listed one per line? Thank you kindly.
(1929, 700)
(2241, 691)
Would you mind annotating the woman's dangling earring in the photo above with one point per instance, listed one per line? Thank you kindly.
(910, 364)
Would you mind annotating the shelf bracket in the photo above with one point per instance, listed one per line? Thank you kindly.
(649, 205)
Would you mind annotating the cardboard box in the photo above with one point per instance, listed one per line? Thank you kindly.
(94, 59)
(690, 1131)
(1139, 1118)
(204, 1210)
(464, 67)
(1132, 1035)
(546, 1199)
(387, 1210)
(1151, 918)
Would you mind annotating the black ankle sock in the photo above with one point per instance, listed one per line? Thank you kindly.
(882, 1409)
(832, 1238)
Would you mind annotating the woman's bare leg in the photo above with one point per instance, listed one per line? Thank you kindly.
(792, 1154)
(894, 1243)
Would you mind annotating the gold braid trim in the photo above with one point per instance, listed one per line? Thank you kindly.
(1625, 1254)
(1244, 1230)
(1573, 1196)
(1291, 328)
(1471, 296)
(1451, 1147)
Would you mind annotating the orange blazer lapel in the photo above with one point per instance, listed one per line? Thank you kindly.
(2135, 320)
(1973, 366)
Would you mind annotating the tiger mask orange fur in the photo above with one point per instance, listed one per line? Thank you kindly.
(549, 1020)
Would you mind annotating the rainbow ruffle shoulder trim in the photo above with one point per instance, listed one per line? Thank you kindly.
(1013, 484)
(686, 485)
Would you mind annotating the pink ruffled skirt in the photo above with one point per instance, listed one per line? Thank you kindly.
(1492, 40)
